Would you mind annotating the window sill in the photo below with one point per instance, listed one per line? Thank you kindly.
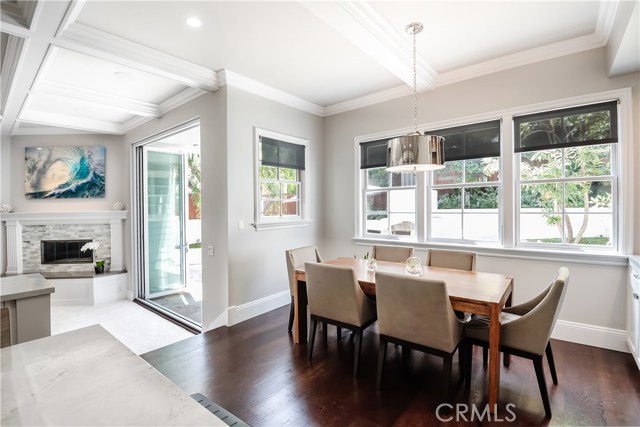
(594, 258)
(276, 225)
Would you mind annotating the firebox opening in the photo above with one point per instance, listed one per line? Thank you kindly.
(64, 252)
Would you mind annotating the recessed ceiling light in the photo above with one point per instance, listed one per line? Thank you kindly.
(123, 75)
(193, 21)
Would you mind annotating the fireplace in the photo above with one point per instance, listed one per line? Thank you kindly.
(64, 252)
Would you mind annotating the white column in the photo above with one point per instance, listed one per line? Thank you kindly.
(14, 247)
(117, 245)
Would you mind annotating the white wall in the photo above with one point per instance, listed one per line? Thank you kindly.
(596, 294)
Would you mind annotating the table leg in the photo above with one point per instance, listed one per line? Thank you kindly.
(494, 356)
(300, 311)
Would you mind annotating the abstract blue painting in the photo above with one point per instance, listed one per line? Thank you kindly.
(64, 172)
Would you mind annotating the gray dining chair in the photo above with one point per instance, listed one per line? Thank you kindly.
(296, 259)
(526, 334)
(391, 253)
(406, 301)
(458, 260)
(335, 298)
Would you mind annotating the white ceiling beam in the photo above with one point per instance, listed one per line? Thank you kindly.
(15, 29)
(252, 86)
(73, 122)
(100, 44)
(10, 63)
(49, 15)
(362, 25)
(96, 99)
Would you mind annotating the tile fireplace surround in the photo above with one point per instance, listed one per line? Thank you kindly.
(26, 229)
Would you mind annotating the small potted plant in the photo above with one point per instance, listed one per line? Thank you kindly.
(98, 264)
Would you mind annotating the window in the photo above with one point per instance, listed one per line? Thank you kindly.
(280, 184)
(389, 198)
(465, 194)
(567, 178)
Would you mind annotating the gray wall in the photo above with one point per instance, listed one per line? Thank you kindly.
(248, 265)
(257, 266)
(211, 110)
(597, 293)
(116, 183)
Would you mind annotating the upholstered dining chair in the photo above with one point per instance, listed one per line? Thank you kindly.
(526, 335)
(335, 297)
(404, 302)
(459, 260)
(391, 253)
(296, 259)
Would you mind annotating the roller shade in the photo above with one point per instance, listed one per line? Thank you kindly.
(282, 154)
(373, 154)
(475, 141)
(569, 127)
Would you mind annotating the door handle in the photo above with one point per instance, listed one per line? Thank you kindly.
(635, 296)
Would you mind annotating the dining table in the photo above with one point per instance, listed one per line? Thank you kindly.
(473, 292)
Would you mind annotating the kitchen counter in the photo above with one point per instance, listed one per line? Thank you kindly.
(24, 286)
(28, 298)
(88, 377)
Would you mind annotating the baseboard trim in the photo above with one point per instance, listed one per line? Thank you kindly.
(596, 336)
(240, 313)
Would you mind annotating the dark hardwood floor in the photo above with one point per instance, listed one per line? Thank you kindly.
(255, 371)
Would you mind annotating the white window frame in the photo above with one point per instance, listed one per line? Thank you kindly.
(261, 222)
(465, 185)
(614, 177)
(509, 194)
(388, 190)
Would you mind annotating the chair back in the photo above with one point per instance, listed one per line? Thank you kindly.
(532, 331)
(458, 260)
(296, 259)
(417, 310)
(334, 292)
(391, 253)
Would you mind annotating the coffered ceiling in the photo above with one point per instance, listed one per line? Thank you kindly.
(109, 66)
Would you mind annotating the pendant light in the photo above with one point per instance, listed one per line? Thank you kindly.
(415, 152)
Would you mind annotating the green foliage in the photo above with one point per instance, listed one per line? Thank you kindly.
(193, 162)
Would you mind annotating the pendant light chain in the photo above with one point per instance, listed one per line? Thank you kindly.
(415, 90)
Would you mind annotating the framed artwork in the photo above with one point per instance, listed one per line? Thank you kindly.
(64, 172)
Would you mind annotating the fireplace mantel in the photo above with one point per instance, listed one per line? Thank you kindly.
(87, 217)
(14, 222)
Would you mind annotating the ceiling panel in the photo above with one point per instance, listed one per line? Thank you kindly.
(74, 108)
(88, 72)
(280, 44)
(459, 34)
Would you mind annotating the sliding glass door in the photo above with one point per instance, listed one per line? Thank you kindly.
(165, 225)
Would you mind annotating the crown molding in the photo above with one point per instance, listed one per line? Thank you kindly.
(10, 64)
(46, 130)
(62, 120)
(538, 54)
(70, 17)
(365, 101)
(96, 99)
(84, 39)
(606, 19)
(187, 95)
(133, 123)
(230, 78)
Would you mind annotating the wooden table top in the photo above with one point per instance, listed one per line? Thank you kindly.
(461, 285)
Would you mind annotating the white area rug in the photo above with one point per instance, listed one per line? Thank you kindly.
(136, 327)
